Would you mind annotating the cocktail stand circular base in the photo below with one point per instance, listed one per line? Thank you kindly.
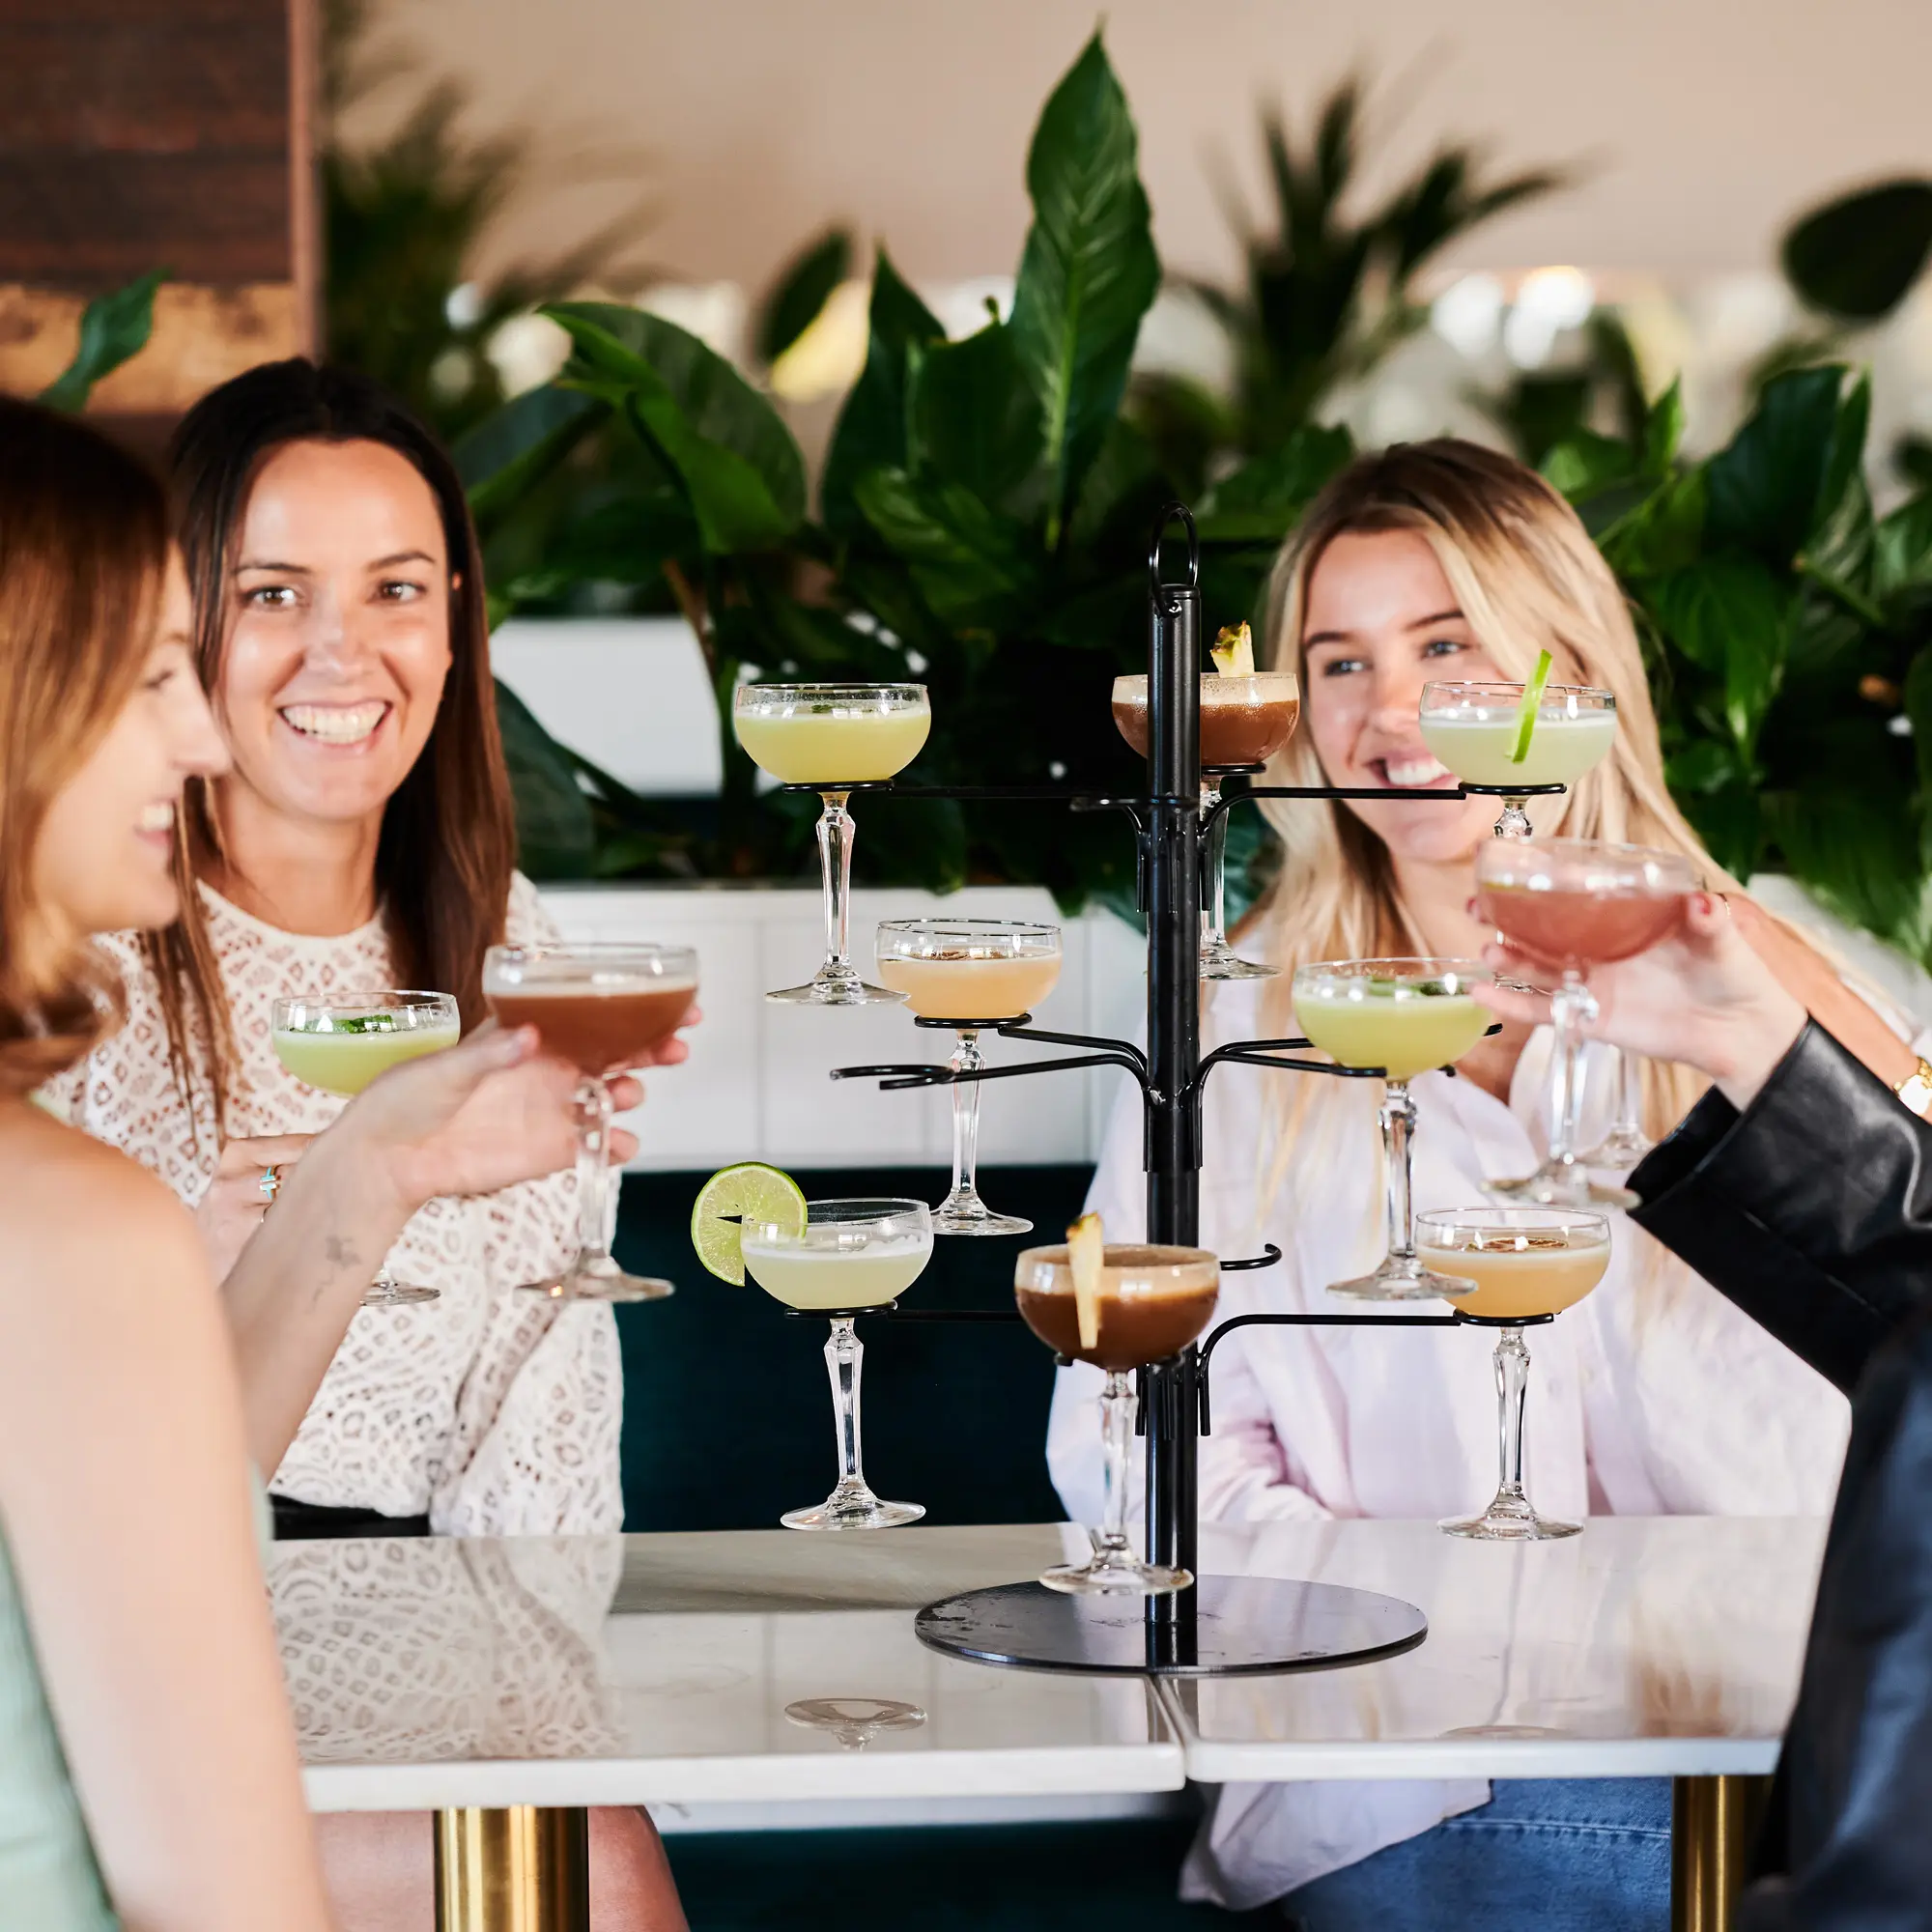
(1241, 1626)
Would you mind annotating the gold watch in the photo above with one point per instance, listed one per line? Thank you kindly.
(1916, 1088)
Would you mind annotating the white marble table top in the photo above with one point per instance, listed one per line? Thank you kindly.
(764, 1668)
(743, 1668)
(1662, 1646)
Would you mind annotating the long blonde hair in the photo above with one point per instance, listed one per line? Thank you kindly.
(1526, 578)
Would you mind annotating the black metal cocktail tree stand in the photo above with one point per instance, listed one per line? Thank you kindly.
(1223, 1624)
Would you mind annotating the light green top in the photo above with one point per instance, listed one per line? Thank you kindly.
(49, 1879)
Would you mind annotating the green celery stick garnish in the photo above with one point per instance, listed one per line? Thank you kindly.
(1532, 698)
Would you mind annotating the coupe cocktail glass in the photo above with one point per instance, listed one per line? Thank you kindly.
(603, 1008)
(981, 971)
(1472, 728)
(1525, 1262)
(1626, 1144)
(833, 737)
(339, 1042)
(1404, 1016)
(850, 1256)
(1245, 720)
(1574, 903)
(1153, 1302)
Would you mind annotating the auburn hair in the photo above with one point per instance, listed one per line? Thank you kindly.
(447, 844)
(83, 552)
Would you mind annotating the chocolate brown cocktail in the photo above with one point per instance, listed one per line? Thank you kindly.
(1245, 720)
(1118, 1308)
(603, 1008)
(600, 1031)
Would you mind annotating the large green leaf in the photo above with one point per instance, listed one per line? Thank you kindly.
(1730, 615)
(971, 564)
(975, 421)
(1764, 489)
(736, 460)
(1902, 551)
(1262, 499)
(1664, 430)
(872, 431)
(1663, 533)
(1857, 257)
(557, 833)
(114, 328)
(1089, 271)
(804, 286)
(1584, 465)
(510, 451)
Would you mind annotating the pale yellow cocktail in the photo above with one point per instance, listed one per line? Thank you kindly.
(345, 1062)
(1402, 1027)
(823, 742)
(817, 1278)
(1475, 743)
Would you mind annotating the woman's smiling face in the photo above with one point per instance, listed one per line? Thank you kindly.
(338, 631)
(1381, 622)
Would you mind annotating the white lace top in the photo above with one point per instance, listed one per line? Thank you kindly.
(496, 1413)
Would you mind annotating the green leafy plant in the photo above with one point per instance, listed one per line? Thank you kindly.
(114, 328)
(1790, 635)
(1327, 293)
(983, 528)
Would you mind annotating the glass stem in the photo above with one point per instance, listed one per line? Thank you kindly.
(966, 1059)
(844, 1356)
(1570, 1007)
(1629, 1126)
(592, 1102)
(835, 832)
(1215, 881)
(1398, 1135)
(1512, 1390)
(1116, 1439)
(1514, 820)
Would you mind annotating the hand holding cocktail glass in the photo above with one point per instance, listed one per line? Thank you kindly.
(602, 1007)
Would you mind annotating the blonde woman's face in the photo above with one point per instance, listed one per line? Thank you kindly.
(104, 858)
(1380, 623)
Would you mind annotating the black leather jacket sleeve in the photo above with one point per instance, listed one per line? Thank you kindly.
(1812, 1210)
(1847, 1833)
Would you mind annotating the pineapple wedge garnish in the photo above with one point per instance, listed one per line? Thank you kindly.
(1087, 1256)
(1233, 651)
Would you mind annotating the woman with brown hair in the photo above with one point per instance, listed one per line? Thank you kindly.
(361, 838)
(147, 1768)
(1443, 561)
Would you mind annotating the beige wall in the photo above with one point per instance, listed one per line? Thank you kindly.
(1710, 120)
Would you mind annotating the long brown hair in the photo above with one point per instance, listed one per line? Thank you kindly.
(83, 549)
(448, 839)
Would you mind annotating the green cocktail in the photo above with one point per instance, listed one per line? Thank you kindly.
(1403, 1026)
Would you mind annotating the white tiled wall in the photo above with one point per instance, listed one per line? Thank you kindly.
(755, 1086)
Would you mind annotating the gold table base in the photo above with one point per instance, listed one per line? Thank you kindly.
(523, 1869)
(1714, 1823)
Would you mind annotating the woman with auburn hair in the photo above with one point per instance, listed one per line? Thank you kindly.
(361, 835)
(1445, 561)
(148, 1775)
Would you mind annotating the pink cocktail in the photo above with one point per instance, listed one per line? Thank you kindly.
(1574, 903)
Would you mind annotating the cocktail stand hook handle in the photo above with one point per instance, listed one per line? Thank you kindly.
(1167, 516)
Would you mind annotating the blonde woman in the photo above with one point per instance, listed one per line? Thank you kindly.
(1442, 560)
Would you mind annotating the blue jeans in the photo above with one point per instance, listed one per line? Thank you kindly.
(1544, 1855)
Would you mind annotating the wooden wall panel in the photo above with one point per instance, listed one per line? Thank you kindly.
(137, 134)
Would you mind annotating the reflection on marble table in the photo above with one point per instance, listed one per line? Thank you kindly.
(609, 1670)
(1645, 1647)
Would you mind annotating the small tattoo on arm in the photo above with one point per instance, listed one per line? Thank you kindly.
(340, 1252)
